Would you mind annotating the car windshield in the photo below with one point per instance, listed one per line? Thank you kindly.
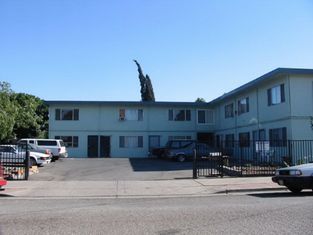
(7, 149)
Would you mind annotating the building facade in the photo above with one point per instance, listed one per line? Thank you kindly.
(275, 106)
(126, 129)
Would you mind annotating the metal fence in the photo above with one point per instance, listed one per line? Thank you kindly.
(252, 158)
(15, 161)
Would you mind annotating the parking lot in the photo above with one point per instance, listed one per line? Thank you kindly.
(72, 169)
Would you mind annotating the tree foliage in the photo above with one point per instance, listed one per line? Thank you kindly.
(200, 100)
(7, 112)
(21, 115)
(147, 93)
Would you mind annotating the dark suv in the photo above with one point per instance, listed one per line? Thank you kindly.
(181, 150)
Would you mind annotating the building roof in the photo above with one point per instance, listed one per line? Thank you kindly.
(274, 73)
(130, 103)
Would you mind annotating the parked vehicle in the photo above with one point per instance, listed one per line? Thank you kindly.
(55, 146)
(17, 153)
(181, 150)
(295, 178)
(3, 182)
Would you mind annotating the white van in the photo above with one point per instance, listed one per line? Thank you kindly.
(55, 146)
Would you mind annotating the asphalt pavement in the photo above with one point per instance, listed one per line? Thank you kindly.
(127, 178)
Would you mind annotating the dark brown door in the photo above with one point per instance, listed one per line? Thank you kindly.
(105, 146)
(93, 146)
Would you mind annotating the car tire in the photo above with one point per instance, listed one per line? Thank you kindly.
(181, 158)
(32, 162)
(294, 189)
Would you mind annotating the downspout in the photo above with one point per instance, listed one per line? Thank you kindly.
(290, 113)
(258, 112)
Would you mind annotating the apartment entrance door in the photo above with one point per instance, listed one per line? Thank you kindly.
(99, 146)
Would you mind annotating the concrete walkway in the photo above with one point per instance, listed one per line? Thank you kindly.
(139, 189)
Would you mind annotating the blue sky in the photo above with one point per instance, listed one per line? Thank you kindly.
(83, 49)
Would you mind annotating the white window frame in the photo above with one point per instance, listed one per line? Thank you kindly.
(131, 142)
(207, 114)
(59, 114)
(243, 102)
(126, 114)
(173, 113)
(276, 95)
(229, 114)
(74, 143)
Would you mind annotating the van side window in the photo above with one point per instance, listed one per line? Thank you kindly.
(31, 142)
(47, 143)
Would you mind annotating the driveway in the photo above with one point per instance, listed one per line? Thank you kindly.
(72, 169)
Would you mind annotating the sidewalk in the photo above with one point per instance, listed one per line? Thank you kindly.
(140, 189)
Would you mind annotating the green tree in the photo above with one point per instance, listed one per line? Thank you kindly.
(200, 100)
(21, 115)
(32, 116)
(7, 112)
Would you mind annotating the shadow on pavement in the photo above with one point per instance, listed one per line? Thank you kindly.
(5, 195)
(154, 164)
(281, 194)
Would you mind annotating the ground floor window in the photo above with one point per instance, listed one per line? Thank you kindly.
(69, 141)
(229, 140)
(278, 137)
(180, 137)
(131, 141)
(244, 139)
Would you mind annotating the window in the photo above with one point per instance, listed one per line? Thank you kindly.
(276, 95)
(258, 135)
(179, 115)
(69, 141)
(205, 116)
(278, 137)
(131, 141)
(183, 137)
(67, 114)
(244, 139)
(229, 110)
(229, 140)
(131, 114)
(243, 106)
(47, 143)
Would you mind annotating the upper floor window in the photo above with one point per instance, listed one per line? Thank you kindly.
(205, 116)
(229, 110)
(131, 114)
(179, 115)
(276, 95)
(243, 105)
(67, 114)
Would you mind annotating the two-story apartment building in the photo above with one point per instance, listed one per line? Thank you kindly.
(275, 106)
(126, 129)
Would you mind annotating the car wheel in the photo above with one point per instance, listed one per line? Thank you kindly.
(32, 162)
(181, 158)
(294, 189)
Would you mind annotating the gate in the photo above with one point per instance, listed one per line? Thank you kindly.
(253, 158)
(15, 161)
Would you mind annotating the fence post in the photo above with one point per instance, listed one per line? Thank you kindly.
(27, 163)
(194, 165)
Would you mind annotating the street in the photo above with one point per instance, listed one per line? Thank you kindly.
(261, 213)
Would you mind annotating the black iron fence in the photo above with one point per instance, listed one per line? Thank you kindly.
(252, 158)
(15, 161)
